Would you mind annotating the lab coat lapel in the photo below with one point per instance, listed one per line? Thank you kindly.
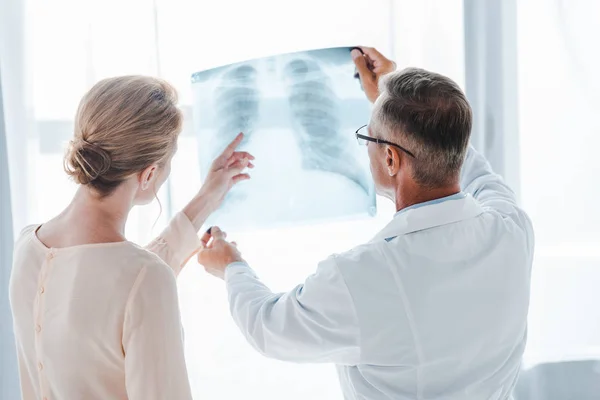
(430, 216)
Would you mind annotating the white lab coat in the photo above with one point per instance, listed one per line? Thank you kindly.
(434, 307)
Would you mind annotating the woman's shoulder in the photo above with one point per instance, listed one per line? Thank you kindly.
(153, 275)
(26, 238)
(28, 230)
(147, 260)
(126, 264)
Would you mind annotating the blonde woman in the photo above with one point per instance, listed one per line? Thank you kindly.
(96, 316)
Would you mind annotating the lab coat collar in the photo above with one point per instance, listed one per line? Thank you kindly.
(430, 216)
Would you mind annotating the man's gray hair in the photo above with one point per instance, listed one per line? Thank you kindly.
(429, 115)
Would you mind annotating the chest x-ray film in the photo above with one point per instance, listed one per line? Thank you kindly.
(299, 112)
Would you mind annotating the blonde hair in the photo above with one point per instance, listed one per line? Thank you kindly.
(123, 125)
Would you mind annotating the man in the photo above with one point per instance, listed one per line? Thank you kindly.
(435, 306)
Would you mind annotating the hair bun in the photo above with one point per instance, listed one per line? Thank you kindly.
(87, 161)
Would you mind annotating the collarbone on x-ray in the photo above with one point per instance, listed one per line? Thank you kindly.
(298, 113)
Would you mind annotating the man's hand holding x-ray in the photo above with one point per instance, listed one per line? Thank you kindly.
(371, 65)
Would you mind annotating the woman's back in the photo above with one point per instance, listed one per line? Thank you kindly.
(97, 321)
(95, 316)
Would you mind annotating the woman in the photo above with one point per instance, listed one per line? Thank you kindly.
(95, 316)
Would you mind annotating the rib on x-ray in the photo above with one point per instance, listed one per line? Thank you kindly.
(298, 113)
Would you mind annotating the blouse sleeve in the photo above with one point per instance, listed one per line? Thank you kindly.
(177, 243)
(155, 366)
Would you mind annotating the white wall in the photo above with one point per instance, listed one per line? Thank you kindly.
(430, 34)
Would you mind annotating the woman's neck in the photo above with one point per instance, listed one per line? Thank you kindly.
(108, 213)
(91, 219)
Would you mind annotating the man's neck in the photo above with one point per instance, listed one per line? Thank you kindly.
(407, 197)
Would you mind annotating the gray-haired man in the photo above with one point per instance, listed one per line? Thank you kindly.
(435, 305)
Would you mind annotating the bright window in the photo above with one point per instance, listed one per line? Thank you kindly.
(71, 44)
(559, 139)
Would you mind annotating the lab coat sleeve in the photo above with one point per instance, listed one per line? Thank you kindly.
(487, 187)
(314, 322)
(176, 243)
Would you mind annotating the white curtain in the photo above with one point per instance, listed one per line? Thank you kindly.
(8, 362)
(51, 52)
(10, 106)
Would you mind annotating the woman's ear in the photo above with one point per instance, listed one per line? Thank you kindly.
(147, 176)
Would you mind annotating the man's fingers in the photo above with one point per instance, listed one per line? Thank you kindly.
(217, 233)
(206, 237)
(380, 63)
(214, 232)
(368, 79)
(373, 54)
(366, 75)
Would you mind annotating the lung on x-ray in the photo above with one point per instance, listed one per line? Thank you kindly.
(299, 112)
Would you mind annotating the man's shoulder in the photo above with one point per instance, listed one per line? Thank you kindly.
(358, 254)
(359, 261)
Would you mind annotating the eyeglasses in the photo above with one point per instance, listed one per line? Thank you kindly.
(363, 140)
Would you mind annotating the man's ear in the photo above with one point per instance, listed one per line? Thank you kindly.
(392, 159)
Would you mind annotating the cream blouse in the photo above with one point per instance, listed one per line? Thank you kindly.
(101, 321)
